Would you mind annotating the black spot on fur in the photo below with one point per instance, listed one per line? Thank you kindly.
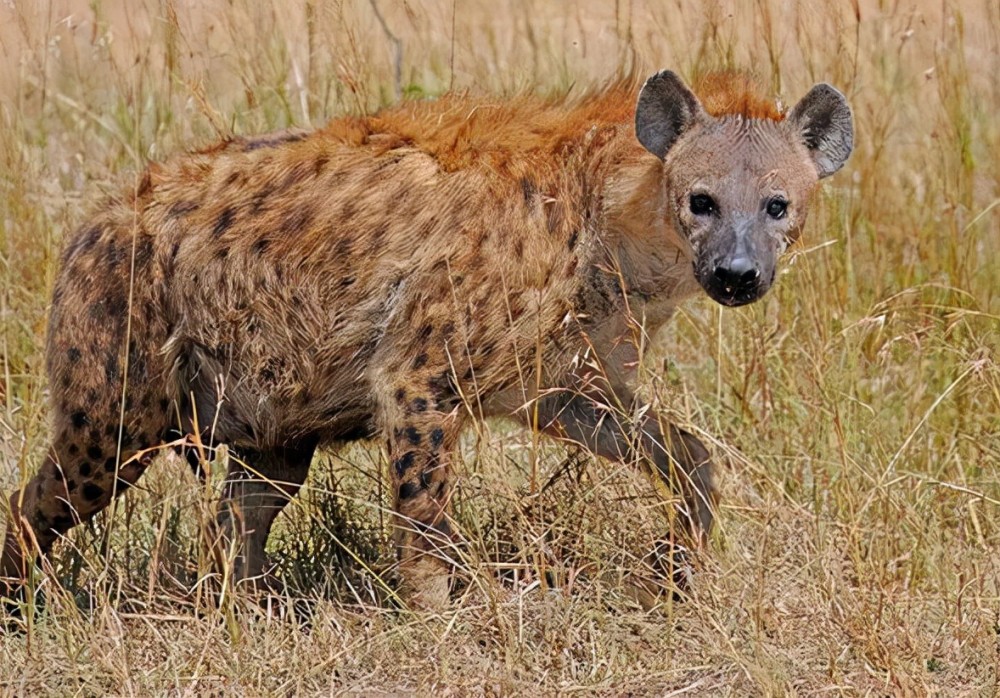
(224, 222)
(62, 523)
(79, 419)
(111, 465)
(111, 368)
(73, 449)
(92, 492)
(260, 247)
(143, 251)
(164, 404)
(420, 360)
(299, 173)
(440, 385)
(181, 208)
(42, 522)
(404, 463)
(419, 405)
(425, 479)
(412, 435)
(71, 485)
(529, 190)
(409, 490)
(343, 248)
(114, 255)
(298, 221)
(400, 395)
(571, 267)
(572, 240)
(426, 331)
(73, 354)
(260, 199)
(347, 281)
(95, 452)
(437, 437)
(85, 469)
(97, 311)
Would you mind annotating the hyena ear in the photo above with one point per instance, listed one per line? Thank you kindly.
(666, 109)
(824, 122)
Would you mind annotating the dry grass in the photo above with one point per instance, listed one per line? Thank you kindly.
(854, 413)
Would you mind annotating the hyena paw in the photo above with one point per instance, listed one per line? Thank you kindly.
(672, 562)
(426, 584)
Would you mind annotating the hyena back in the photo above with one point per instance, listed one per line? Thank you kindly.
(399, 274)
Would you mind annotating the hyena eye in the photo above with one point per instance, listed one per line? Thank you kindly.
(702, 204)
(776, 208)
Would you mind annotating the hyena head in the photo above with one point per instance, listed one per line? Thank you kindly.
(738, 188)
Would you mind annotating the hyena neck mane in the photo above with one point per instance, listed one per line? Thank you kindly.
(733, 92)
(580, 152)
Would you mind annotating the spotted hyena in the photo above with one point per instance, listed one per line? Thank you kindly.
(397, 275)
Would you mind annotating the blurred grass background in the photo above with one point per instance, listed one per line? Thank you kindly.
(854, 413)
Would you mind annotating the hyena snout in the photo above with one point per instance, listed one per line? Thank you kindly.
(736, 278)
(737, 271)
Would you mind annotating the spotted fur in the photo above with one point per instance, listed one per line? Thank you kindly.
(390, 276)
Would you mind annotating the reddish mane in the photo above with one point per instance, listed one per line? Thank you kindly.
(731, 92)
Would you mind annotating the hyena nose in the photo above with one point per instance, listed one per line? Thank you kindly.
(737, 275)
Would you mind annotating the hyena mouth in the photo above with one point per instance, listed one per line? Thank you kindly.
(733, 298)
(732, 292)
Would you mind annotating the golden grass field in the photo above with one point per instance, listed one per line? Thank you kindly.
(854, 413)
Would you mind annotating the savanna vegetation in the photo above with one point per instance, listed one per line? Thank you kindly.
(854, 412)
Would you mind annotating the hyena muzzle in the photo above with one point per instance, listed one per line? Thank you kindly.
(397, 275)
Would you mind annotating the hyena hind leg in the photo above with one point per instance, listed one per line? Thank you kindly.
(83, 472)
(258, 485)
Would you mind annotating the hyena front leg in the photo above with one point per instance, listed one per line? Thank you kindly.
(681, 462)
(422, 424)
